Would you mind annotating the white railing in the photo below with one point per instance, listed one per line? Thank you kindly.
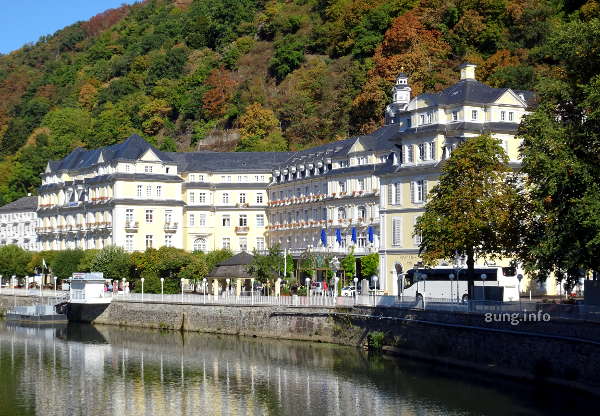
(9, 291)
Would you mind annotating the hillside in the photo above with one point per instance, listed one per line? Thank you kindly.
(252, 74)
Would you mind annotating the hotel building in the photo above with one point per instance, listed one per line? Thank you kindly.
(18, 221)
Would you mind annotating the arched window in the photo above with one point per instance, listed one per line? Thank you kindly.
(341, 213)
(200, 244)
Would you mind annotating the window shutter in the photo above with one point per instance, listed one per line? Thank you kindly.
(396, 231)
(398, 196)
(432, 151)
(412, 192)
(390, 194)
(424, 190)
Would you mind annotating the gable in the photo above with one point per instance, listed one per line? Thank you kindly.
(357, 147)
(149, 156)
(509, 98)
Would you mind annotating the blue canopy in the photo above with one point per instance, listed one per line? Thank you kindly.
(370, 232)
(338, 235)
(354, 235)
(324, 237)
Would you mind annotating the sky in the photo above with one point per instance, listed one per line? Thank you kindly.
(24, 21)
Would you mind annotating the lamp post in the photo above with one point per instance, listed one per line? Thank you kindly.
(519, 278)
(335, 286)
(227, 287)
(375, 278)
(13, 283)
(142, 280)
(451, 276)
(484, 277)
(0, 283)
(26, 285)
(162, 289)
(55, 286)
(335, 266)
(181, 290)
(204, 288)
(307, 281)
(355, 290)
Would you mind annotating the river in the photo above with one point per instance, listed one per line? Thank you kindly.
(103, 370)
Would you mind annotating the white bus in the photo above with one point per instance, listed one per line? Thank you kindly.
(437, 283)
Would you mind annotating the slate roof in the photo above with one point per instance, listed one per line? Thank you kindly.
(471, 91)
(227, 161)
(27, 203)
(242, 258)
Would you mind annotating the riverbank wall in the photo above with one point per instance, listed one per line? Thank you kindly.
(7, 301)
(559, 351)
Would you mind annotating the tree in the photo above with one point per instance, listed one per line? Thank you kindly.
(86, 261)
(289, 54)
(267, 266)
(196, 270)
(474, 209)
(349, 265)
(369, 265)
(66, 262)
(14, 261)
(561, 159)
(113, 261)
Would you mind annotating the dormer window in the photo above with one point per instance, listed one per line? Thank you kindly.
(148, 169)
(429, 118)
(502, 115)
(344, 164)
(511, 116)
(455, 115)
(421, 119)
(474, 115)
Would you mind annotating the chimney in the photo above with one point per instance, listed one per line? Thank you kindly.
(467, 71)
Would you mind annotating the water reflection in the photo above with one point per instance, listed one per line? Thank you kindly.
(108, 370)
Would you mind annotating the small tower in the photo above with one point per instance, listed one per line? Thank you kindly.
(401, 91)
(400, 99)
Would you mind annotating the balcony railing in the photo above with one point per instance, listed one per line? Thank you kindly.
(242, 229)
(131, 225)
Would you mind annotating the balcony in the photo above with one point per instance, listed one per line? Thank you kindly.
(131, 225)
(170, 226)
(242, 230)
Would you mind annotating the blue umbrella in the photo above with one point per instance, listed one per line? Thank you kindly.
(370, 232)
(354, 235)
(324, 237)
(338, 235)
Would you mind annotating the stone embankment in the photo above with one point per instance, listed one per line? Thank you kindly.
(561, 351)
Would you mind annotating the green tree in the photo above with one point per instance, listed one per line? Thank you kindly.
(196, 269)
(369, 265)
(474, 209)
(85, 264)
(289, 54)
(349, 265)
(267, 266)
(14, 261)
(561, 161)
(66, 262)
(113, 261)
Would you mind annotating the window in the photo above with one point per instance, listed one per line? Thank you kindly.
(226, 221)
(226, 198)
(474, 115)
(148, 169)
(421, 119)
(362, 160)
(200, 178)
(418, 237)
(421, 154)
(398, 194)
(259, 198)
(396, 232)
(242, 198)
(192, 198)
(502, 115)
(260, 220)
(226, 243)
(511, 116)
(192, 220)
(342, 186)
(149, 241)
(455, 115)
(129, 215)
(149, 216)
(410, 156)
(243, 220)
(361, 184)
(418, 191)
(260, 243)
(243, 244)
(202, 198)
(169, 240)
(148, 191)
(344, 164)
(432, 151)
(158, 191)
(129, 242)
(139, 191)
(199, 244)
(341, 213)
(202, 220)
(429, 118)
(362, 213)
(192, 178)
(168, 216)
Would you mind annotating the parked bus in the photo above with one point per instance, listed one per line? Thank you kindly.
(437, 283)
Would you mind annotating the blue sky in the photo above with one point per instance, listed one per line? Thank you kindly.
(24, 21)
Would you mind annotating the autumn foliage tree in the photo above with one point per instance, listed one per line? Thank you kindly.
(221, 84)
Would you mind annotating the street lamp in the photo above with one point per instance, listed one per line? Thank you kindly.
(26, 285)
(307, 281)
(483, 277)
(13, 283)
(142, 279)
(204, 288)
(451, 276)
(182, 289)
(227, 286)
(55, 286)
(0, 283)
(355, 289)
(162, 289)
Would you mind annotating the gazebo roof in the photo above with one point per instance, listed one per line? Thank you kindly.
(235, 267)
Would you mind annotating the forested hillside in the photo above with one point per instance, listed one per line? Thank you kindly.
(254, 74)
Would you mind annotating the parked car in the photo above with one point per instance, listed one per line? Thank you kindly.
(348, 291)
